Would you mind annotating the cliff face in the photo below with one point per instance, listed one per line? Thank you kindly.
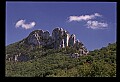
(39, 37)
(60, 38)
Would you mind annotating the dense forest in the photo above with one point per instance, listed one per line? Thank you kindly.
(46, 62)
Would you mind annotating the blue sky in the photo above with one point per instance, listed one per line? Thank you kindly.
(93, 23)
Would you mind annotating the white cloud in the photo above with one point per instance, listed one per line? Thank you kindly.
(96, 25)
(97, 14)
(84, 17)
(21, 23)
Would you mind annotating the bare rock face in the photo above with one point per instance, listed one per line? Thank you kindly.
(39, 37)
(46, 35)
(60, 38)
(57, 37)
(66, 37)
(17, 57)
(78, 44)
(72, 40)
(35, 37)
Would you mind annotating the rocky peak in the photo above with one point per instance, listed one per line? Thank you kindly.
(46, 35)
(37, 31)
(34, 37)
(60, 38)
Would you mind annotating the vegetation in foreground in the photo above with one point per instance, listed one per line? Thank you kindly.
(59, 63)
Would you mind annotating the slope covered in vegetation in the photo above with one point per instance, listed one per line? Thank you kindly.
(58, 63)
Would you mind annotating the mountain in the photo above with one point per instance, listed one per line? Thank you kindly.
(58, 55)
(60, 39)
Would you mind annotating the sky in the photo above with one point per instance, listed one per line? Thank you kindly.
(93, 23)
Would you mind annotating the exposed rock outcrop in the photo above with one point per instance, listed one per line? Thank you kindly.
(76, 55)
(72, 40)
(17, 57)
(60, 38)
(35, 37)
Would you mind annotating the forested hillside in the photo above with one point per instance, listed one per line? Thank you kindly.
(46, 62)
